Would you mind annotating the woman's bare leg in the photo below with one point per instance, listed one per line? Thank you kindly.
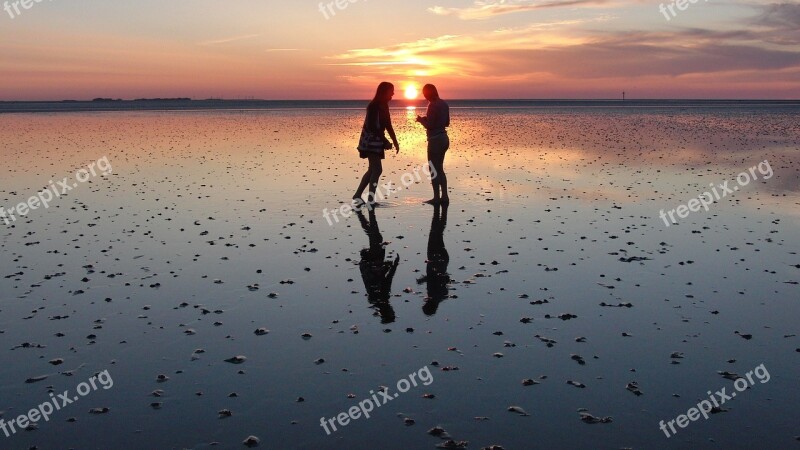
(362, 185)
(434, 180)
(375, 170)
(440, 175)
(439, 182)
(442, 178)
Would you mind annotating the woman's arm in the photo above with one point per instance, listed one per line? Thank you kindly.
(434, 118)
(387, 119)
(393, 136)
(389, 276)
(425, 121)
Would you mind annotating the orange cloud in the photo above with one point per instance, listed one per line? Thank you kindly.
(486, 9)
(565, 58)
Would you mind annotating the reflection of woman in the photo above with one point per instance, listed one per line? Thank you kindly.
(436, 121)
(377, 121)
(436, 276)
(376, 272)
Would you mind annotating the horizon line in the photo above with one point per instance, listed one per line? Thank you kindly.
(189, 99)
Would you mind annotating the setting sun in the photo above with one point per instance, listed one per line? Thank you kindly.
(411, 92)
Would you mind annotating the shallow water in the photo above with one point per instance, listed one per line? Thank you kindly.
(544, 204)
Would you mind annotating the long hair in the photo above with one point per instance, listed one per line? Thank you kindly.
(383, 88)
(429, 90)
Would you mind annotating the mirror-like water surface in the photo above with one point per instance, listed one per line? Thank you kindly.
(551, 264)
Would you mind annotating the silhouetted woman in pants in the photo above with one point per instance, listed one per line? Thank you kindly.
(436, 121)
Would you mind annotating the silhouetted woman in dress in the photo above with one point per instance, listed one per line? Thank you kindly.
(376, 272)
(377, 121)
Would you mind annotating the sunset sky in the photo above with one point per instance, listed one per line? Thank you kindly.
(81, 49)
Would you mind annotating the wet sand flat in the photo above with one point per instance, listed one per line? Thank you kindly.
(207, 243)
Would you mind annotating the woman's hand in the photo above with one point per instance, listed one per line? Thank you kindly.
(397, 146)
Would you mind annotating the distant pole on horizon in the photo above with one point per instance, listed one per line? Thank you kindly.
(623, 96)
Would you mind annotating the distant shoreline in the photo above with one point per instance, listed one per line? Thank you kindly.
(186, 104)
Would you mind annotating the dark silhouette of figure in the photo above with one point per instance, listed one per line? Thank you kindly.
(378, 121)
(436, 276)
(436, 121)
(376, 271)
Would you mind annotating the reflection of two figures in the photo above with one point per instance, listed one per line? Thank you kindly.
(376, 271)
(436, 276)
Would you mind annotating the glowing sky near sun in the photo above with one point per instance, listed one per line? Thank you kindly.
(83, 49)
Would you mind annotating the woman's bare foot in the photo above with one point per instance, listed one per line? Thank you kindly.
(445, 200)
(433, 201)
